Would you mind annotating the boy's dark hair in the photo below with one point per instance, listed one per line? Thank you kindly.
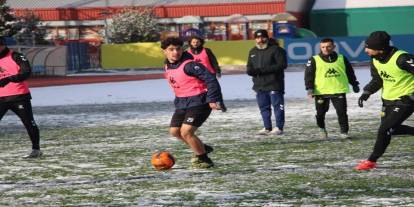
(196, 37)
(325, 40)
(171, 41)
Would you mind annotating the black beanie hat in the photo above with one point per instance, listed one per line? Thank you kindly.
(261, 33)
(379, 40)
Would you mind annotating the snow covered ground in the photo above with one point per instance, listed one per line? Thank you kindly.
(98, 138)
(233, 87)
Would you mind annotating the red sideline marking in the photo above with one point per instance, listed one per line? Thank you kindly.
(43, 81)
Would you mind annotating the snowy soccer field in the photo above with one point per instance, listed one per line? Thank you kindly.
(98, 140)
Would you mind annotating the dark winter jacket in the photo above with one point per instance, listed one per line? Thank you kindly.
(197, 70)
(24, 73)
(266, 66)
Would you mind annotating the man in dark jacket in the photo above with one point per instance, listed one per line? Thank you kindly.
(327, 78)
(266, 64)
(15, 94)
(197, 92)
(392, 70)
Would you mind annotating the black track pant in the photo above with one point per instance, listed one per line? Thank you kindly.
(392, 119)
(403, 130)
(339, 103)
(23, 109)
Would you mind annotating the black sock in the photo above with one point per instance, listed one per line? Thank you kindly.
(208, 148)
(203, 156)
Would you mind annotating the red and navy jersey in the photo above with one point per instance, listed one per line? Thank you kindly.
(16, 68)
(182, 84)
(202, 58)
(200, 72)
(211, 58)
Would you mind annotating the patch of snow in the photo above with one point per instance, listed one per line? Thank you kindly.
(233, 87)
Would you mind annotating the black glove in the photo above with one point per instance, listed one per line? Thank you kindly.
(4, 82)
(218, 74)
(221, 106)
(363, 98)
(252, 72)
(355, 88)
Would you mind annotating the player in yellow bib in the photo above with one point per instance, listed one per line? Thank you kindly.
(392, 70)
(327, 78)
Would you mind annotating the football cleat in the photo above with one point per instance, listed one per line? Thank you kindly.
(344, 135)
(197, 162)
(35, 153)
(366, 165)
(323, 133)
(263, 131)
(276, 131)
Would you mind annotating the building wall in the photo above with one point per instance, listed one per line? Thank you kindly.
(355, 4)
(362, 21)
(300, 9)
(360, 17)
(58, 14)
(71, 22)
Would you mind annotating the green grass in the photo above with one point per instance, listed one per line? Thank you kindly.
(109, 164)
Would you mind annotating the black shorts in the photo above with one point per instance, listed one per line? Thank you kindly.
(194, 116)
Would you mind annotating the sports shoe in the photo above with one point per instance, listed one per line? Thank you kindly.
(35, 154)
(208, 148)
(276, 131)
(344, 135)
(366, 165)
(323, 133)
(197, 162)
(263, 131)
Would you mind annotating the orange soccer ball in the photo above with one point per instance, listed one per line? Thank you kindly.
(162, 160)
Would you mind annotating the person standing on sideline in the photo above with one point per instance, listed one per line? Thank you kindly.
(203, 55)
(327, 78)
(15, 94)
(266, 64)
(197, 92)
(392, 70)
